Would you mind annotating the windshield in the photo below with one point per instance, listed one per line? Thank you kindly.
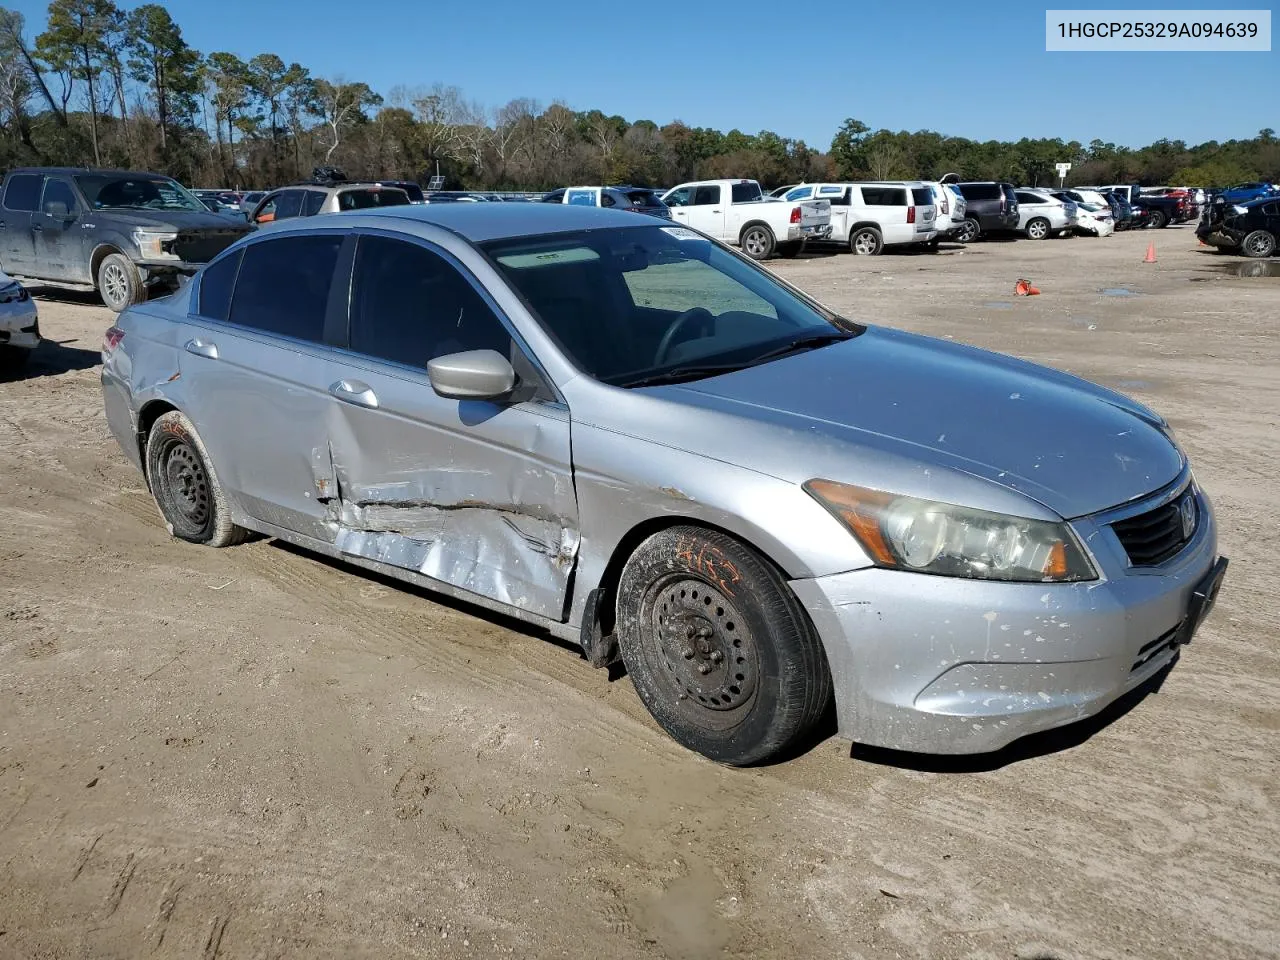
(636, 303)
(150, 193)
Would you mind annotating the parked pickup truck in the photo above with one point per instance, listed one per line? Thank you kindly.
(737, 212)
(113, 231)
(1163, 210)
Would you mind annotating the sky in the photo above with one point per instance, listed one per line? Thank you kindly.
(977, 70)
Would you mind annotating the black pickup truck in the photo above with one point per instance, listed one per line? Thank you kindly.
(1161, 210)
(118, 232)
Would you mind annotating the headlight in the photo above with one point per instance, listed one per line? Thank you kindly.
(13, 293)
(155, 244)
(905, 533)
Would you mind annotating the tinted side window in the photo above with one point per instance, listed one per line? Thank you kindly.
(216, 283)
(884, 196)
(283, 286)
(679, 198)
(58, 191)
(22, 192)
(1024, 197)
(312, 203)
(704, 196)
(289, 204)
(745, 192)
(799, 193)
(922, 196)
(410, 305)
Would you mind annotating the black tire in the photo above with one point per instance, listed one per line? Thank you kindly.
(1159, 220)
(13, 359)
(969, 231)
(119, 282)
(757, 242)
(866, 242)
(1038, 228)
(718, 647)
(791, 249)
(1258, 244)
(185, 487)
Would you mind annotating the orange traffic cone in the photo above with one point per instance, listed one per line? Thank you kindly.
(1151, 253)
(1023, 288)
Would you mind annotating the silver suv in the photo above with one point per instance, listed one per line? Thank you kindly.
(309, 199)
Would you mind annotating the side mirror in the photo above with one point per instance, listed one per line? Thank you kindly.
(58, 210)
(472, 375)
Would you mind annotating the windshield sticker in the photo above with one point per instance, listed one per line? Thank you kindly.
(548, 258)
(681, 233)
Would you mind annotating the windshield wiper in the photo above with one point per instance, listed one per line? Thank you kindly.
(811, 342)
(697, 372)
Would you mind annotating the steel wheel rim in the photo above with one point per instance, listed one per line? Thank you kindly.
(185, 487)
(701, 649)
(114, 283)
(865, 244)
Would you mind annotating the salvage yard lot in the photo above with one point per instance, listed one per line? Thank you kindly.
(256, 753)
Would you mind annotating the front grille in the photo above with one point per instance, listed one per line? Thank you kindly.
(1153, 649)
(203, 247)
(1153, 537)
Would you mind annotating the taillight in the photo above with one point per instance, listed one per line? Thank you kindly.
(111, 339)
(795, 214)
(1004, 203)
(945, 208)
(911, 214)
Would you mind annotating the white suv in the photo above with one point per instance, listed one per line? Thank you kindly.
(1042, 215)
(872, 216)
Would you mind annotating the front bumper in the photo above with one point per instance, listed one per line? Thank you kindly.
(19, 324)
(945, 665)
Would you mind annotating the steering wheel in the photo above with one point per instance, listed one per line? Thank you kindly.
(668, 338)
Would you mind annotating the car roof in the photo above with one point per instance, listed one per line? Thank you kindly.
(71, 171)
(479, 222)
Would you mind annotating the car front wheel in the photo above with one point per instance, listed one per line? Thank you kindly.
(185, 487)
(718, 647)
(119, 282)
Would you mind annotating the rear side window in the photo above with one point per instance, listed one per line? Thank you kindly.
(312, 203)
(921, 196)
(216, 283)
(884, 196)
(644, 198)
(22, 192)
(1024, 197)
(705, 196)
(368, 198)
(745, 192)
(980, 191)
(410, 305)
(799, 193)
(289, 204)
(283, 285)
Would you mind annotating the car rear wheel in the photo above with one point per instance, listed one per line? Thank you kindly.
(185, 487)
(866, 242)
(1037, 228)
(718, 647)
(1259, 243)
(1159, 219)
(757, 242)
(119, 282)
(968, 231)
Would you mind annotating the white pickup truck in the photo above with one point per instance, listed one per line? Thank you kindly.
(737, 212)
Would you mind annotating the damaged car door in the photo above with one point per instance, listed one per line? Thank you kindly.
(474, 493)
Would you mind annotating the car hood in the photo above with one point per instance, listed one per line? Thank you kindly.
(1074, 447)
(177, 220)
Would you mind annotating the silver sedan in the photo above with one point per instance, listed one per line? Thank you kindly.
(631, 436)
(19, 324)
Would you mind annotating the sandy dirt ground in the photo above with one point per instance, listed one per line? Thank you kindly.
(254, 753)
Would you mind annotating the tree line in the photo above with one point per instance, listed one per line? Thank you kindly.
(106, 86)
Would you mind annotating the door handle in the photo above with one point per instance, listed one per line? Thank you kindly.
(355, 392)
(202, 348)
(715, 211)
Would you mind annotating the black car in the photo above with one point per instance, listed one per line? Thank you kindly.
(1252, 228)
(991, 207)
(119, 232)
